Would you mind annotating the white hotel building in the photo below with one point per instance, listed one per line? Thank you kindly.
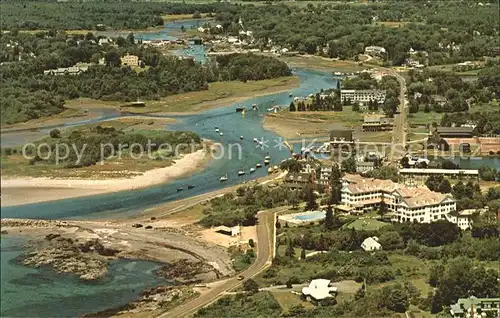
(362, 95)
(360, 195)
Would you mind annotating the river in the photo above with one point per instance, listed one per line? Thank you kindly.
(45, 291)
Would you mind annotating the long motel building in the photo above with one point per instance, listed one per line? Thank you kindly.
(362, 195)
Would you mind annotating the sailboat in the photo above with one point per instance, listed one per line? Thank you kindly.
(252, 170)
(241, 137)
(267, 157)
(223, 178)
(241, 172)
(259, 165)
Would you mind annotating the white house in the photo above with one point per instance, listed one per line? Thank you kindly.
(231, 231)
(371, 244)
(375, 50)
(319, 289)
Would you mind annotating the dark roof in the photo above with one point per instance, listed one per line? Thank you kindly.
(447, 130)
(340, 131)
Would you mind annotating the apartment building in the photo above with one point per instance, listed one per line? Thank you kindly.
(362, 95)
(361, 195)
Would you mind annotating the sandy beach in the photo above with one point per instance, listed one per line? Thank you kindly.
(15, 190)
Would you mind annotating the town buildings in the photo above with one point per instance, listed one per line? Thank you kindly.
(360, 195)
(362, 95)
(476, 307)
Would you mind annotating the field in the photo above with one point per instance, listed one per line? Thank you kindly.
(218, 94)
(322, 63)
(422, 118)
(310, 124)
(287, 300)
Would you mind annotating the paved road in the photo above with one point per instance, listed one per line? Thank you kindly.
(398, 133)
(265, 247)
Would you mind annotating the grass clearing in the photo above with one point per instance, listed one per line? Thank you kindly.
(322, 63)
(218, 93)
(287, 300)
(365, 225)
(423, 118)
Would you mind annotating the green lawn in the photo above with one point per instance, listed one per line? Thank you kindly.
(365, 225)
(423, 118)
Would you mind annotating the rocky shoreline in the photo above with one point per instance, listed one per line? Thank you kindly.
(86, 260)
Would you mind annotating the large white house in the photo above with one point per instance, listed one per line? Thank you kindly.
(319, 289)
(360, 195)
(371, 244)
(362, 95)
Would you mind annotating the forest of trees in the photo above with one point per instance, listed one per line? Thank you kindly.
(340, 31)
(86, 15)
(456, 95)
(27, 93)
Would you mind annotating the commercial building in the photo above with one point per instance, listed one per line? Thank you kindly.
(475, 307)
(371, 244)
(377, 123)
(455, 132)
(361, 195)
(362, 95)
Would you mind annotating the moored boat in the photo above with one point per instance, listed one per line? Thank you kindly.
(190, 186)
(180, 189)
(241, 172)
(223, 178)
(252, 170)
(259, 165)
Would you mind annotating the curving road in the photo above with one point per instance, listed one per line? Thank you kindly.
(265, 251)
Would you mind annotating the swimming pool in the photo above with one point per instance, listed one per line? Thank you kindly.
(310, 216)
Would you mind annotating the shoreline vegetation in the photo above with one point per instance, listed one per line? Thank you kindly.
(117, 172)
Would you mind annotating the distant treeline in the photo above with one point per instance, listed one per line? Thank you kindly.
(27, 93)
(32, 15)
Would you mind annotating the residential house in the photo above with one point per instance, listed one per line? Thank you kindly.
(130, 60)
(298, 181)
(72, 70)
(364, 166)
(375, 50)
(371, 244)
(318, 290)
(475, 307)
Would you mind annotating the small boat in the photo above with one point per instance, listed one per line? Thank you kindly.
(221, 133)
(259, 165)
(255, 107)
(241, 137)
(270, 170)
(241, 172)
(255, 140)
(180, 189)
(223, 178)
(267, 157)
(275, 167)
(190, 186)
(290, 94)
(216, 129)
(240, 109)
(252, 170)
(266, 162)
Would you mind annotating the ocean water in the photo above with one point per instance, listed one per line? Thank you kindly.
(33, 292)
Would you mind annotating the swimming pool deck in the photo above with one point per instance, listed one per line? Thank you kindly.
(303, 217)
